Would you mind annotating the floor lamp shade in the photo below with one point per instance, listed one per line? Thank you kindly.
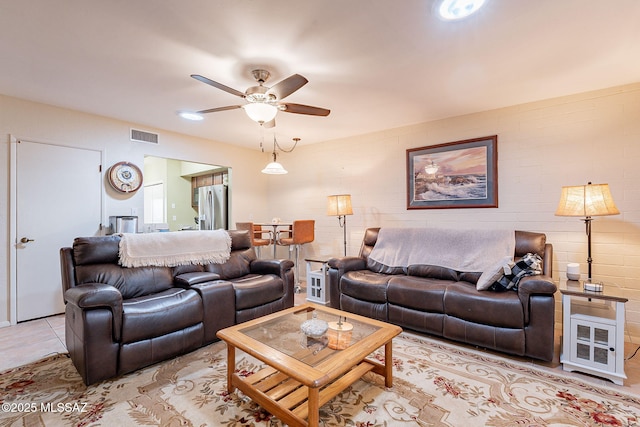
(587, 201)
(340, 205)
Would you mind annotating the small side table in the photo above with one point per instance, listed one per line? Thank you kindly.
(317, 280)
(593, 331)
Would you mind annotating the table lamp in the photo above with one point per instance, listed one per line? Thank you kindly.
(587, 201)
(340, 205)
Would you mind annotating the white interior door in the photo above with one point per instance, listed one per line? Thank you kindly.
(58, 198)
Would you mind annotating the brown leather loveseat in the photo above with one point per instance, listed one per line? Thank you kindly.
(444, 302)
(121, 319)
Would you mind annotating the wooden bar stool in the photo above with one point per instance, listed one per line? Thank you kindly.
(257, 235)
(302, 232)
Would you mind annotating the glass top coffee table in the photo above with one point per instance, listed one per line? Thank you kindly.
(305, 371)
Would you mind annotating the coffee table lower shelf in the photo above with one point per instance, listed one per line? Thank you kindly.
(289, 400)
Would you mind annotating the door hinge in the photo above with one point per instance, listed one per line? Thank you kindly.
(99, 168)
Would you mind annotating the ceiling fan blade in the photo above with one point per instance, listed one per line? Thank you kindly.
(218, 85)
(270, 124)
(305, 109)
(287, 86)
(214, 110)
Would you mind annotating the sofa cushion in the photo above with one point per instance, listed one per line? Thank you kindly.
(159, 314)
(433, 271)
(238, 265)
(365, 285)
(527, 241)
(131, 282)
(255, 289)
(501, 309)
(96, 250)
(418, 293)
(378, 267)
(469, 277)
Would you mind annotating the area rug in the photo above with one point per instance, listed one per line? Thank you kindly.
(435, 384)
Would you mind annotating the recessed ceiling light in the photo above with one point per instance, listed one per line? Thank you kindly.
(191, 116)
(451, 10)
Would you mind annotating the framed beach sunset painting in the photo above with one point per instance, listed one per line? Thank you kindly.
(460, 174)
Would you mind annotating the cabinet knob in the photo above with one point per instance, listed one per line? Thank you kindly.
(612, 349)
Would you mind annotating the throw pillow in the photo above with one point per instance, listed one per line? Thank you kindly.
(495, 273)
(529, 265)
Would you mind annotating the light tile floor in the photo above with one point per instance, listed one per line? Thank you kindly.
(33, 340)
(30, 341)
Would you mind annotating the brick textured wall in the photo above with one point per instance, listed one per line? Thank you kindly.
(542, 146)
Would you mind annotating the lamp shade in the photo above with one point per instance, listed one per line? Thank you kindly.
(586, 200)
(339, 204)
(274, 168)
(260, 112)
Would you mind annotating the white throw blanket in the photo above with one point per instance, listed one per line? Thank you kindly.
(174, 248)
(461, 250)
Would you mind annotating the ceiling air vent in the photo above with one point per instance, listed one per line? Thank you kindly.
(142, 136)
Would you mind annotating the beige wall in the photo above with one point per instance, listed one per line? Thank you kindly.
(43, 123)
(541, 146)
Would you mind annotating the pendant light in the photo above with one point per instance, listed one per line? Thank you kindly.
(275, 168)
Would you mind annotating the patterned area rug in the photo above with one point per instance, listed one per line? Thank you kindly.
(435, 384)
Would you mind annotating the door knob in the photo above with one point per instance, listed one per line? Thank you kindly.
(25, 240)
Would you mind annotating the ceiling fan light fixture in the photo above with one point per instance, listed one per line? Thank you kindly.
(452, 10)
(260, 112)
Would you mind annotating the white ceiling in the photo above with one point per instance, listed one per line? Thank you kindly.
(377, 64)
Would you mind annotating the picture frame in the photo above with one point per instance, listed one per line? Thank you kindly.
(460, 174)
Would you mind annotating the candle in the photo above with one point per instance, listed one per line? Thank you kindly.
(339, 335)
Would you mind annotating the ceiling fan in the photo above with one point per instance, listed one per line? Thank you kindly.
(262, 102)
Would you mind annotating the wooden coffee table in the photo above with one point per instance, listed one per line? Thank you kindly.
(304, 373)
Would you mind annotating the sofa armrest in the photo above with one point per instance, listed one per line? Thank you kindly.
(271, 266)
(187, 280)
(98, 295)
(534, 285)
(349, 263)
(337, 267)
(282, 268)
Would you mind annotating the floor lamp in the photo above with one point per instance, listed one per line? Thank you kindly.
(340, 205)
(587, 201)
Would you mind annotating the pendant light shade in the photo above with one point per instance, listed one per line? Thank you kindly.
(274, 168)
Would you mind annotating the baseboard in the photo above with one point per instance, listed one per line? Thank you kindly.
(5, 324)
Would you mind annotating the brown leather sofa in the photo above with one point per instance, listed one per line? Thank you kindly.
(445, 302)
(121, 319)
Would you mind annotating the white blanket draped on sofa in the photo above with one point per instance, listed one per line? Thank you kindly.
(174, 248)
(460, 250)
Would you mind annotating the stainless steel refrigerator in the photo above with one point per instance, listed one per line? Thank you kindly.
(212, 207)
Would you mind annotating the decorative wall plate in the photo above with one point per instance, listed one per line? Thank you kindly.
(125, 177)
